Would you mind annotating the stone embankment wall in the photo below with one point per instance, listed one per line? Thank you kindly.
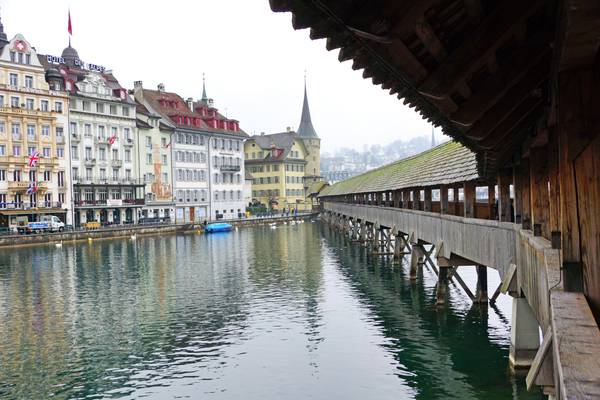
(9, 241)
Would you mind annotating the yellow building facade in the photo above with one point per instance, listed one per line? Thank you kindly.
(277, 163)
(33, 119)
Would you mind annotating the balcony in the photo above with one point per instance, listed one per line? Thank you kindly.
(230, 168)
(23, 185)
(116, 163)
(109, 202)
(52, 161)
(106, 181)
(128, 142)
(100, 140)
(89, 162)
(28, 206)
(60, 139)
(22, 111)
(75, 137)
(16, 137)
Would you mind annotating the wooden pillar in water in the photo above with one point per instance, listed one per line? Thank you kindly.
(414, 261)
(481, 294)
(442, 286)
(444, 199)
(539, 191)
(427, 200)
(469, 199)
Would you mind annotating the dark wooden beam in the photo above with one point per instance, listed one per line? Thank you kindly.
(474, 10)
(518, 91)
(478, 47)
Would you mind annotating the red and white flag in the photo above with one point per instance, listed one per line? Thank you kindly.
(69, 26)
(112, 139)
(34, 158)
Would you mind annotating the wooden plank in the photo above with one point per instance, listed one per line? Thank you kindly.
(496, 294)
(431, 42)
(539, 189)
(469, 199)
(553, 179)
(509, 279)
(576, 346)
(492, 201)
(477, 48)
(538, 360)
(462, 284)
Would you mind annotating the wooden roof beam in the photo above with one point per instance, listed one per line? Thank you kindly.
(474, 10)
(510, 100)
(432, 43)
(475, 50)
(494, 88)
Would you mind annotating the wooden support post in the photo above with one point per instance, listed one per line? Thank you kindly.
(526, 194)
(442, 286)
(481, 294)
(496, 293)
(492, 201)
(504, 210)
(469, 199)
(553, 179)
(427, 200)
(444, 199)
(416, 195)
(414, 261)
(397, 198)
(518, 190)
(539, 190)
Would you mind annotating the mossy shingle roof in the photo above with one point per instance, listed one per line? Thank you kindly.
(445, 164)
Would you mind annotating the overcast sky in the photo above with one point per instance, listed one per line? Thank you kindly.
(253, 59)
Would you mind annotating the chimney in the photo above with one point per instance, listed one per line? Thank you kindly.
(161, 87)
(288, 128)
(138, 91)
(137, 84)
(190, 103)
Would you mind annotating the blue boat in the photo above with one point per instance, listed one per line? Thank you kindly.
(218, 227)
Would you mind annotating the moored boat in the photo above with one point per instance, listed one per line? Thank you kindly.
(218, 227)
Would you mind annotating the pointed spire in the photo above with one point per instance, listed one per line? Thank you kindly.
(204, 96)
(3, 38)
(432, 137)
(306, 129)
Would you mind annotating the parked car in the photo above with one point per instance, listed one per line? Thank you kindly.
(47, 223)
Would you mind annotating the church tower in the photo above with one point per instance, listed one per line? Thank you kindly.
(312, 142)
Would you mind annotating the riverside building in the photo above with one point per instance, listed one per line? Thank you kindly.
(102, 122)
(33, 120)
(154, 165)
(207, 157)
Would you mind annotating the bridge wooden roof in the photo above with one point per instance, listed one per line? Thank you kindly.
(447, 164)
(478, 68)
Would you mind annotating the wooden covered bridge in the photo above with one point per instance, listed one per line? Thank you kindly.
(517, 86)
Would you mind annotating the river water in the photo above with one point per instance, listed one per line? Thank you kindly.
(295, 312)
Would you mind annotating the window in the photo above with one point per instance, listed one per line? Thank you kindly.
(2, 150)
(127, 174)
(30, 131)
(2, 175)
(61, 198)
(61, 180)
(59, 132)
(47, 176)
(17, 175)
(13, 56)
(165, 177)
(115, 173)
(115, 154)
(60, 152)
(164, 159)
(88, 153)
(2, 127)
(87, 130)
(148, 141)
(13, 80)
(149, 159)
(75, 173)
(163, 142)
(127, 133)
(113, 110)
(29, 104)
(86, 106)
(126, 111)
(102, 154)
(58, 107)
(45, 130)
(44, 105)
(16, 150)
(128, 155)
(28, 81)
(30, 150)
(100, 108)
(46, 151)
(102, 173)
(73, 128)
(101, 133)
(113, 131)
(74, 154)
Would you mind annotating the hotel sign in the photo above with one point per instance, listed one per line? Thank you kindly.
(78, 63)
